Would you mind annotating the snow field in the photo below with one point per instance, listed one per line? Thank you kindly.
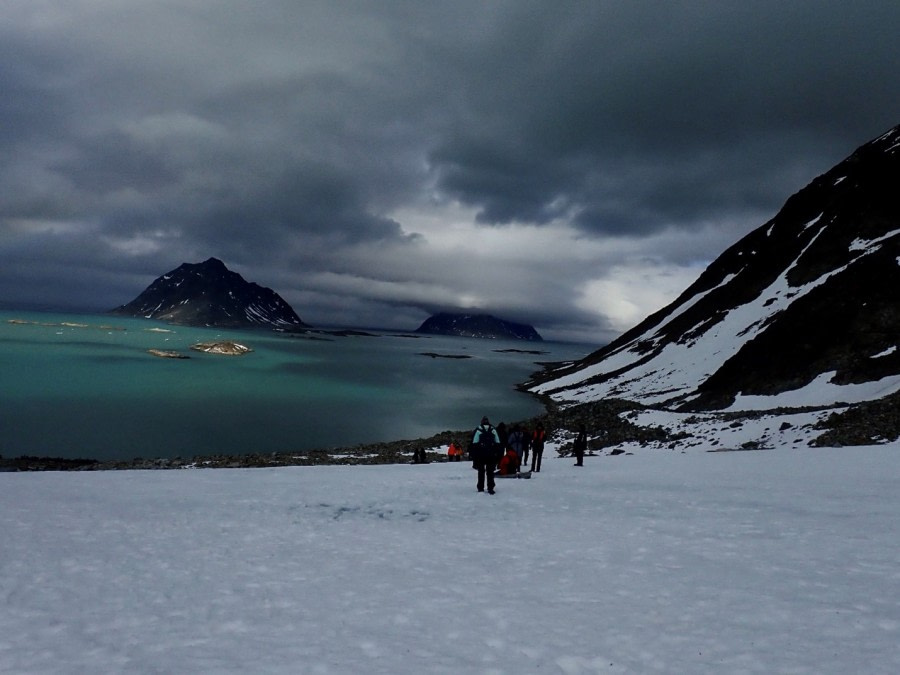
(739, 562)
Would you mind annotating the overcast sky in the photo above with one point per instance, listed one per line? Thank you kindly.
(573, 165)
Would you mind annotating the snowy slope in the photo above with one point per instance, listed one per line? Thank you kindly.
(658, 562)
(803, 311)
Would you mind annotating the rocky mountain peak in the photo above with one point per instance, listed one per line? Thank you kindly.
(804, 310)
(209, 294)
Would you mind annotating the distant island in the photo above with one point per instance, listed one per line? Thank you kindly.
(477, 326)
(209, 294)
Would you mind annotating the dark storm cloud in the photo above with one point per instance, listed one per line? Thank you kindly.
(31, 105)
(574, 102)
(285, 138)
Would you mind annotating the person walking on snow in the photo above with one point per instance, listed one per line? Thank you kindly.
(519, 444)
(485, 442)
(538, 437)
(454, 452)
(580, 446)
(526, 445)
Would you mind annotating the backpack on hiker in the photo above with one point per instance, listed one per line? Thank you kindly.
(485, 448)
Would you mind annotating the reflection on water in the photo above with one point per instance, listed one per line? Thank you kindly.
(86, 391)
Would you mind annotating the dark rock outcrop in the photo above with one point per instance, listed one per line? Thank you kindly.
(209, 294)
(810, 297)
(226, 347)
(477, 325)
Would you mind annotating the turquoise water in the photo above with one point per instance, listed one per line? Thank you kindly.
(94, 391)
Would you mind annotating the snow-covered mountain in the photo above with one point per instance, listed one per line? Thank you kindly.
(209, 294)
(803, 311)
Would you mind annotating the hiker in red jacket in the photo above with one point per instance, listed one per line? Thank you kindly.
(509, 463)
(538, 437)
(454, 452)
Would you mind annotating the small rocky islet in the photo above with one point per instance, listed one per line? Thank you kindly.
(224, 347)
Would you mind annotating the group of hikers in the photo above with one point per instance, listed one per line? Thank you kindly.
(504, 453)
(501, 452)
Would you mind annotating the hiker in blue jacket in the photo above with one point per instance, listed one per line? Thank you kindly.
(485, 446)
(518, 441)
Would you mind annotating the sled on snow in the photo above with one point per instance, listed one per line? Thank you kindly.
(521, 474)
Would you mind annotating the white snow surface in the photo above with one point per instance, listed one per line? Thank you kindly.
(821, 392)
(776, 561)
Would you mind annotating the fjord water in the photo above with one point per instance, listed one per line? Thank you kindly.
(92, 389)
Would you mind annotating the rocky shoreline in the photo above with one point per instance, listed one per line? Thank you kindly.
(860, 424)
(561, 423)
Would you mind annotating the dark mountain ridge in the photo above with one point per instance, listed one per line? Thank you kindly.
(477, 325)
(812, 293)
(209, 294)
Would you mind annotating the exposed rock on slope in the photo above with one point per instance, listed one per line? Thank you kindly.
(477, 325)
(209, 294)
(803, 311)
